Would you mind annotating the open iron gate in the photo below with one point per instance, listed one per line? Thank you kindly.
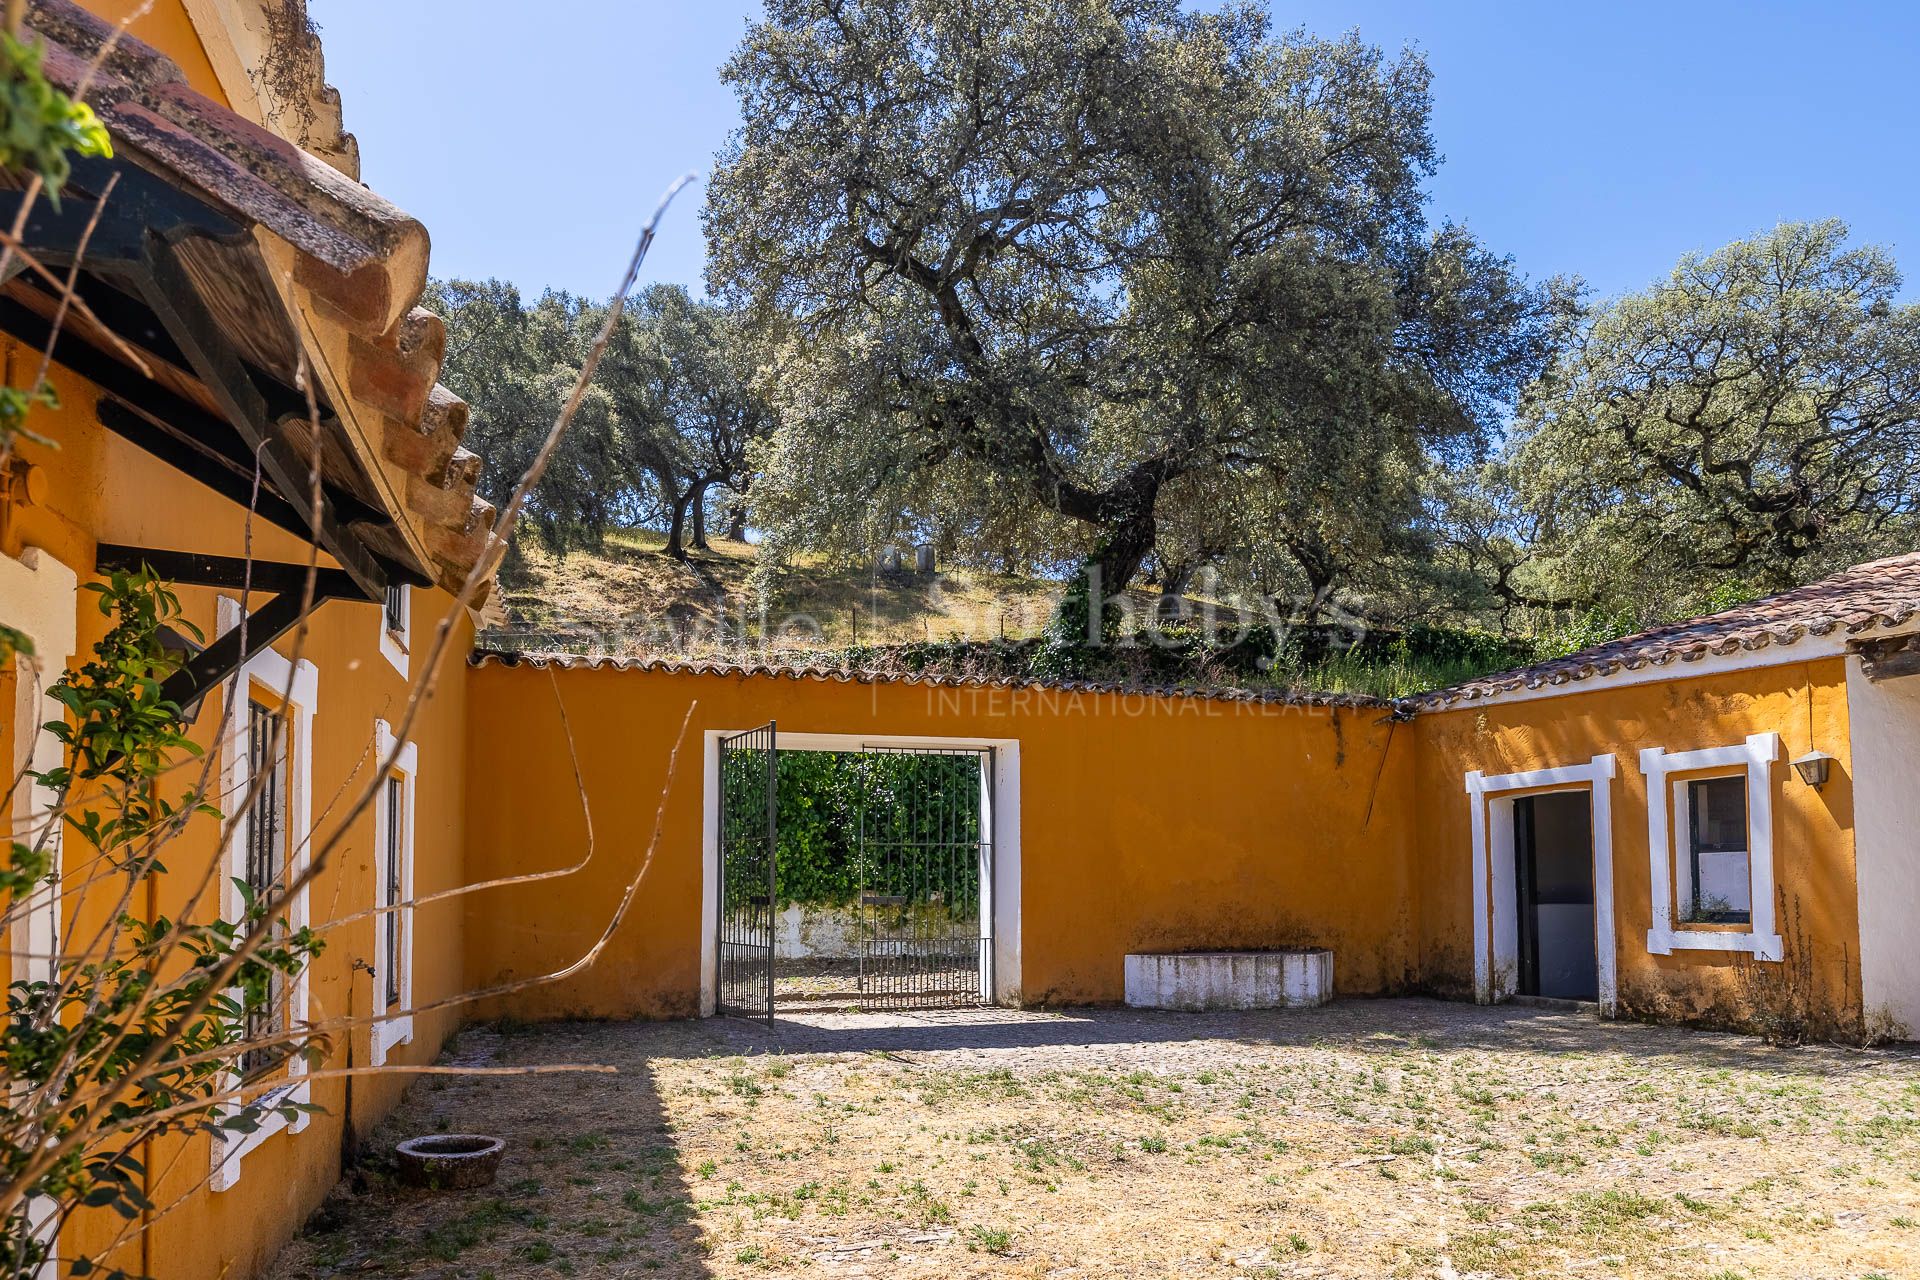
(926, 877)
(749, 780)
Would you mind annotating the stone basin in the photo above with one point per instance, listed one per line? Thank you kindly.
(450, 1161)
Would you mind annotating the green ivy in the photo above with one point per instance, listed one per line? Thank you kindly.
(896, 824)
(40, 127)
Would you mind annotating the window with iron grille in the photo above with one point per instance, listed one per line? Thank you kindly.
(393, 869)
(266, 782)
(266, 856)
(396, 608)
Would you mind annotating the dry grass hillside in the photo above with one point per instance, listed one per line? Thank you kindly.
(630, 598)
(631, 595)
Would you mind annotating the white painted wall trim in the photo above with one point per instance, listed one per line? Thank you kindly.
(1003, 977)
(1756, 755)
(391, 1031)
(39, 597)
(1496, 925)
(1883, 722)
(1807, 649)
(394, 646)
(297, 685)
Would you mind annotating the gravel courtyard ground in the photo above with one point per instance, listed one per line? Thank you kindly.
(1398, 1138)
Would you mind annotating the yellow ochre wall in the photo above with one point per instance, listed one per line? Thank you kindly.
(101, 489)
(1816, 899)
(1146, 824)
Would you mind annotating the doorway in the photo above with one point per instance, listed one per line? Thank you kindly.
(1493, 801)
(1554, 889)
(856, 874)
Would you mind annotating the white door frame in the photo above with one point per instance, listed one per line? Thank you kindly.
(1003, 889)
(1496, 922)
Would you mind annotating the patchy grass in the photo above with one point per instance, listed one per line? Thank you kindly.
(631, 599)
(1399, 1139)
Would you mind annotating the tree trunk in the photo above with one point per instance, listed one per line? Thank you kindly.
(737, 522)
(1116, 558)
(1177, 577)
(677, 527)
(1120, 553)
(700, 516)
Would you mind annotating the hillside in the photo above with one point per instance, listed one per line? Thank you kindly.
(630, 599)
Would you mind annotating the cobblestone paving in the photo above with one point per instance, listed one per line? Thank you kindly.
(1401, 1138)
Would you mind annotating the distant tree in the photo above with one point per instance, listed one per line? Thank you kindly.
(1052, 262)
(669, 419)
(1754, 418)
(679, 380)
(513, 364)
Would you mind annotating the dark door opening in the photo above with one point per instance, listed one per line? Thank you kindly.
(1553, 878)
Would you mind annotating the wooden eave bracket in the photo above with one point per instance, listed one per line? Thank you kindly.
(1887, 657)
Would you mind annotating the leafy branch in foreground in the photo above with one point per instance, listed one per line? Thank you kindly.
(41, 129)
(100, 997)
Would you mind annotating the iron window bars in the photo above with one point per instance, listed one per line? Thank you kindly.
(266, 860)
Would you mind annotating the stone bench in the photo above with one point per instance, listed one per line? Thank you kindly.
(1289, 978)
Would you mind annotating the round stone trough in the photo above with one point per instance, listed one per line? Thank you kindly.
(1286, 978)
(450, 1161)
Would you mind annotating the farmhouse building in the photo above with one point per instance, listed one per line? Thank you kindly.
(1711, 822)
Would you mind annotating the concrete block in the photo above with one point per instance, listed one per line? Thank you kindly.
(1289, 978)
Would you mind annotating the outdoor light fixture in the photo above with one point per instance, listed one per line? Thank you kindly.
(1812, 768)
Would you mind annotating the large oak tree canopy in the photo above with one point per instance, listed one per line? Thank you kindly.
(1755, 417)
(1033, 263)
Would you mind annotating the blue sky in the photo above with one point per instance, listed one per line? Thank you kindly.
(1603, 138)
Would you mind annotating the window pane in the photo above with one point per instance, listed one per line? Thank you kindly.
(392, 889)
(1717, 882)
(266, 855)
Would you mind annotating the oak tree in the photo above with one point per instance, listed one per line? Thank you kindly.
(1050, 263)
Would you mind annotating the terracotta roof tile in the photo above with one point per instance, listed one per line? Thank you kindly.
(1877, 595)
(843, 675)
(363, 259)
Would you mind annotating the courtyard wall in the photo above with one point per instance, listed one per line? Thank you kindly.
(1147, 822)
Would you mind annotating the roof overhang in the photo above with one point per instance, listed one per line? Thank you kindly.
(241, 300)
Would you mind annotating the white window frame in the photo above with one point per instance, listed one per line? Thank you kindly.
(41, 600)
(395, 645)
(297, 685)
(393, 1032)
(1666, 798)
(1496, 907)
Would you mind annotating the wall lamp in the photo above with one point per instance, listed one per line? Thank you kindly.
(1813, 768)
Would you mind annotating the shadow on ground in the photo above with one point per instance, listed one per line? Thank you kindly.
(591, 1183)
(986, 1142)
(1383, 1026)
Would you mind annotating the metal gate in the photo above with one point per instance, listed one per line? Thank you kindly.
(926, 877)
(749, 773)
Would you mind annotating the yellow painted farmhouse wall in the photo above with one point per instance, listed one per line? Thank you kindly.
(101, 489)
(167, 27)
(1805, 702)
(1146, 824)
